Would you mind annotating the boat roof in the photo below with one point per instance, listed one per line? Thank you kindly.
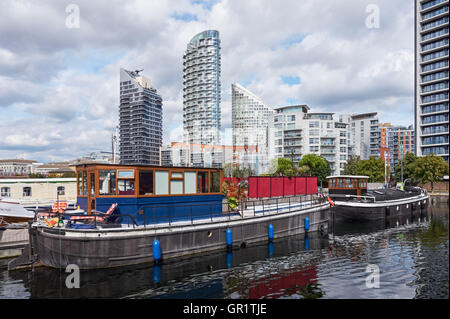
(81, 165)
(349, 176)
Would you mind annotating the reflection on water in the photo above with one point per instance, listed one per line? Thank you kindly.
(410, 251)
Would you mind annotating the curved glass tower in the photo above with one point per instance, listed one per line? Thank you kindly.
(250, 121)
(201, 89)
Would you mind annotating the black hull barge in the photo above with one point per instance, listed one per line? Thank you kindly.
(353, 202)
(151, 223)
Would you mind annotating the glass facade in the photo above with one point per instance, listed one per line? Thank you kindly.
(201, 89)
(432, 77)
(140, 120)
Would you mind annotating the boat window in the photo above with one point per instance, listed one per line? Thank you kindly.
(84, 183)
(176, 186)
(161, 182)
(363, 184)
(190, 182)
(177, 175)
(145, 182)
(125, 174)
(331, 183)
(80, 185)
(215, 182)
(61, 190)
(126, 186)
(26, 191)
(202, 182)
(107, 182)
(6, 192)
(348, 183)
(92, 180)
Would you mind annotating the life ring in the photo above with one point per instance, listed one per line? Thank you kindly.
(330, 201)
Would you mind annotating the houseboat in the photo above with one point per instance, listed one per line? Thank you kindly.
(137, 214)
(352, 200)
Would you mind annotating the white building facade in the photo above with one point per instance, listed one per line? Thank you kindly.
(294, 132)
(365, 134)
(250, 126)
(201, 89)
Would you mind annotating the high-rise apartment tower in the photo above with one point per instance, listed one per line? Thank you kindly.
(140, 120)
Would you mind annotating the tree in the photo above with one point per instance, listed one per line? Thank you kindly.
(36, 175)
(285, 167)
(408, 159)
(228, 170)
(430, 168)
(352, 164)
(242, 171)
(318, 166)
(373, 167)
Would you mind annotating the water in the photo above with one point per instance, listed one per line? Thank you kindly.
(411, 254)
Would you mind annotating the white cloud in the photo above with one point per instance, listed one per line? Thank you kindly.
(66, 81)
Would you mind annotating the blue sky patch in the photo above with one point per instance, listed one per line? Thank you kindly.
(206, 4)
(292, 101)
(186, 16)
(290, 41)
(290, 80)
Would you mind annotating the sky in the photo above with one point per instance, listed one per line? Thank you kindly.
(60, 62)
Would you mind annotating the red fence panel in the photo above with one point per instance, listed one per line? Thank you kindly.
(253, 187)
(300, 186)
(264, 187)
(276, 186)
(289, 186)
(311, 185)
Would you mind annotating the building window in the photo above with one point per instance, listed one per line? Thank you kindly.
(6, 192)
(26, 191)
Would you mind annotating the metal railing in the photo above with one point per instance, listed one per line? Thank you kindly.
(190, 214)
(216, 212)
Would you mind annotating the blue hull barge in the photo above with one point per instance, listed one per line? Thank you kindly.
(152, 213)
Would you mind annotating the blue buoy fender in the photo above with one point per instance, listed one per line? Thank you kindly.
(270, 232)
(306, 223)
(156, 250)
(229, 237)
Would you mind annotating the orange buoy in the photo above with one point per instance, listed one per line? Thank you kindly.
(330, 201)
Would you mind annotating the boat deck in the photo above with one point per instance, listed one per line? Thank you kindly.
(252, 210)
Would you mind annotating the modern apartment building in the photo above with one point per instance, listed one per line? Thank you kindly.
(250, 125)
(400, 142)
(364, 134)
(201, 89)
(432, 77)
(140, 120)
(17, 167)
(295, 132)
(179, 154)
